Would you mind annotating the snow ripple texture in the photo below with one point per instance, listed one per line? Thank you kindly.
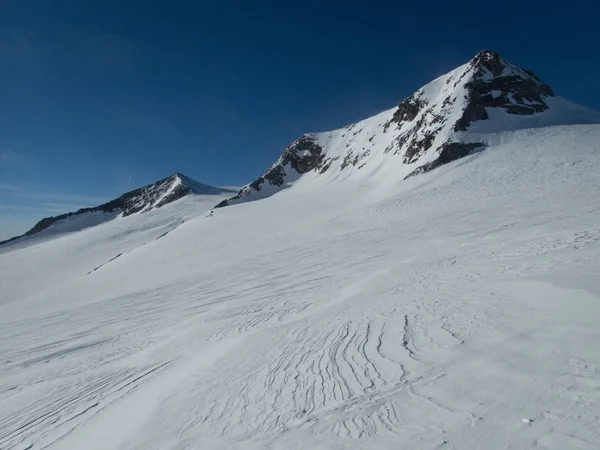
(455, 310)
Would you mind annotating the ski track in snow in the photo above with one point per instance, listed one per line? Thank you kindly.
(438, 315)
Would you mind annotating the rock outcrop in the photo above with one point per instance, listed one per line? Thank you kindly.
(139, 200)
(428, 128)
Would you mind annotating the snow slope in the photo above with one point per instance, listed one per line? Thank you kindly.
(439, 123)
(68, 256)
(139, 200)
(457, 309)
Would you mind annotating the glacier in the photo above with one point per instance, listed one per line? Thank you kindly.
(350, 308)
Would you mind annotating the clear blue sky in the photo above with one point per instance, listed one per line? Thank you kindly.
(98, 97)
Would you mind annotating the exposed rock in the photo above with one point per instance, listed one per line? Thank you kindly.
(143, 199)
(326, 164)
(518, 91)
(408, 109)
(472, 112)
(305, 155)
(431, 122)
(450, 151)
(417, 147)
(225, 202)
(489, 60)
(352, 159)
(302, 155)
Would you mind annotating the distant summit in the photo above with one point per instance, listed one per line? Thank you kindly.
(444, 120)
(139, 200)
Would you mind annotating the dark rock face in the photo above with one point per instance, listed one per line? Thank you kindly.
(424, 122)
(148, 197)
(414, 143)
(450, 151)
(407, 110)
(418, 139)
(352, 159)
(489, 60)
(225, 202)
(420, 136)
(518, 92)
(417, 147)
(302, 155)
(154, 195)
(494, 83)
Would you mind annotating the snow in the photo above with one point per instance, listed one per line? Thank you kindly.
(69, 224)
(142, 200)
(437, 312)
(561, 112)
(59, 259)
(376, 147)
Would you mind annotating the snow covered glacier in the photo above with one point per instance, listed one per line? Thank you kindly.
(358, 307)
(445, 120)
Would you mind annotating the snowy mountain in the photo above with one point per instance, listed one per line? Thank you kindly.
(139, 200)
(360, 308)
(444, 120)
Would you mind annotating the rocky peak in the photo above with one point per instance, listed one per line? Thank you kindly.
(488, 60)
(140, 200)
(496, 83)
(442, 121)
(301, 156)
(450, 104)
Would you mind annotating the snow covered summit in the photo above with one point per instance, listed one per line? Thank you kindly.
(444, 120)
(139, 200)
(457, 309)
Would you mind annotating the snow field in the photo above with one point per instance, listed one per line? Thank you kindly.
(437, 312)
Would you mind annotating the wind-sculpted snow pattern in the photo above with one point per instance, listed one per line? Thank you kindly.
(457, 309)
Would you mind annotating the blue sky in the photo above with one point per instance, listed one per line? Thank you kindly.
(100, 97)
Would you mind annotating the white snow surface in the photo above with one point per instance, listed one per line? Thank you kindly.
(455, 310)
(373, 144)
(162, 189)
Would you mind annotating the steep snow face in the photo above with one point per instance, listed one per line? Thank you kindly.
(437, 313)
(440, 122)
(139, 200)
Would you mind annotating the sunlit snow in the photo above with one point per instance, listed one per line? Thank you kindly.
(455, 310)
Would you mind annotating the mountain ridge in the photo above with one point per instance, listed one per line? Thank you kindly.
(437, 124)
(140, 200)
(444, 120)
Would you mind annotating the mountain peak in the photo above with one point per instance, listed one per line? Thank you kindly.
(490, 61)
(444, 120)
(485, 53)
(494, 82)
(194, 186)
(146, 198)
